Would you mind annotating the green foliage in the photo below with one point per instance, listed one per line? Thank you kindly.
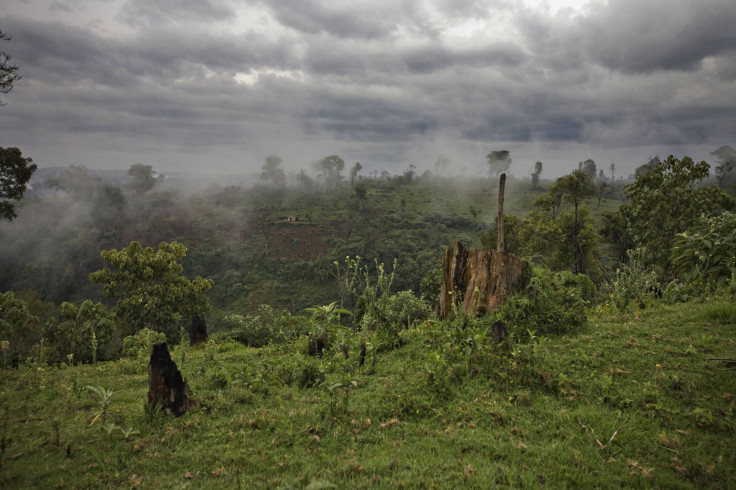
(140, 345)
(635, 282)
(18, 327)
(104, 400)
(637, 401)
(512, 239)
(150, 290)
(15, 172)
(88, 331)
(552, 304)
(404, 308)
(706, 254)
(262, 328)
(579, 239)
(667, 200)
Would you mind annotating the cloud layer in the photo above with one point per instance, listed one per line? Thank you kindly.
(217, 85)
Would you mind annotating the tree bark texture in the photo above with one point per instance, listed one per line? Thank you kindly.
(166, 387)
(479, 281)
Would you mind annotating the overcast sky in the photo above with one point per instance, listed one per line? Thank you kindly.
(217, 85)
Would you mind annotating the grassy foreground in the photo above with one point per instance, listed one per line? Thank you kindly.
(635, 400)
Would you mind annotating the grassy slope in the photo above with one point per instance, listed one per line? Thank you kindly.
(632, 401)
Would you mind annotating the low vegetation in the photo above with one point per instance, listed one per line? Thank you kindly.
(643, 399)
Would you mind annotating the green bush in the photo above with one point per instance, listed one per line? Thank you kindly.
(403, 308)
(552, 304)
(140, 345)
(19, 329)
(706, 255)
(265, 327)
(634, 281)
(88, 332)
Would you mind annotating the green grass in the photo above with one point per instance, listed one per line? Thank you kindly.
(634, 400)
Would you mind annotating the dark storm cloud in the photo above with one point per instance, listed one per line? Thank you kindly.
(182, 79)
(635, 36)
(59, 54)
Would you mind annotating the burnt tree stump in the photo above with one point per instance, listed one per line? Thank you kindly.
(166, 387)
(479, 281)
(197, 330)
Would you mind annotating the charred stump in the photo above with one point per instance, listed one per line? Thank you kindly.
(197, 330)
(479, 281)
(166, 387)
(499, 332)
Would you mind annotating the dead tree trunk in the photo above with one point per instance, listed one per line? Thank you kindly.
(166, 387)
(197, 330)
(501, 186)
(453, 281)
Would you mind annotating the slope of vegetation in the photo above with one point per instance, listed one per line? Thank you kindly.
(633, 399)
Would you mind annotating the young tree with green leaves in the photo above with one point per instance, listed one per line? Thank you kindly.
(574, 188)
(150, 290)
(667, 200)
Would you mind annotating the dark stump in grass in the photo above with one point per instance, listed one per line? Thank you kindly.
(197, 330)
(166, 387)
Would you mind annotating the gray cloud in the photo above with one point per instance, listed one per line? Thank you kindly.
(148, 13)
(382, 82)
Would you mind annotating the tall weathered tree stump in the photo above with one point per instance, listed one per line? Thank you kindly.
(479, 281)
(197, 330)
(166, 387)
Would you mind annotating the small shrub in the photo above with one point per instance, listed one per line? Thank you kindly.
(634, 282)
(552, 304)
(140, 345)
(404, 308)
(88, 331)
(253, 330)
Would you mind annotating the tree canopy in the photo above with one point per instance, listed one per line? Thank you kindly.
(15, 172)
(667, 200)
(150, 290)
(272, 173)
(8, 71)
(499, 161)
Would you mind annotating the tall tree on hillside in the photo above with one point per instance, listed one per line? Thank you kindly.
(613, 169)
(574, 188)
(498, 162)
(330, 170)
(590, 167)
(272, 173)
(354, 172)
(15, 172)
(440, 165)
(725, 173)
(535, 175)
(8, 71)
(143, 178)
